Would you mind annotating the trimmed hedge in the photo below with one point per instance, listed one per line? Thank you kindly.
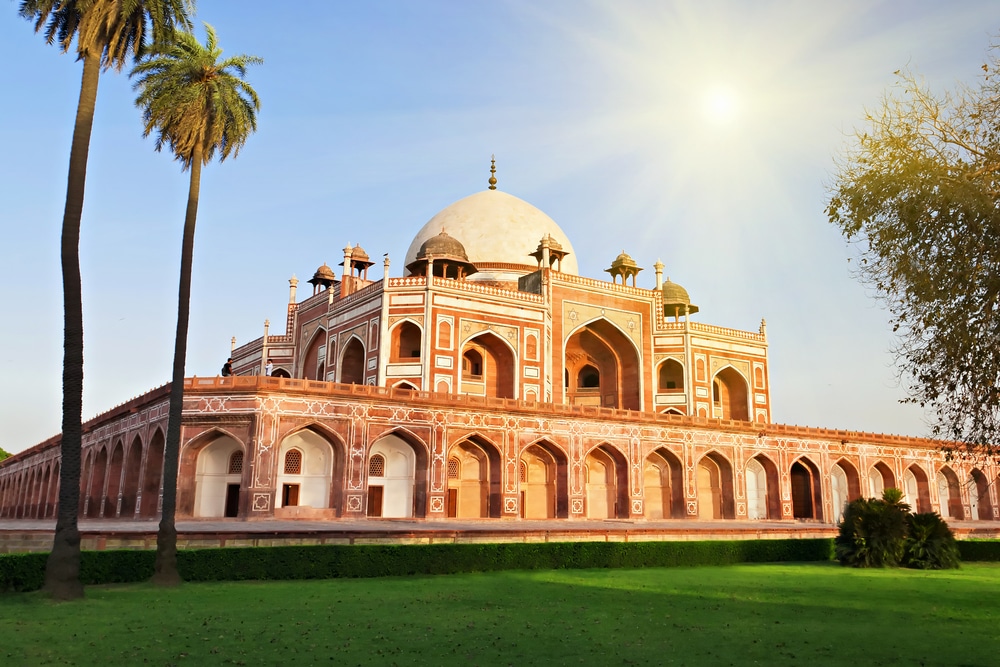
(979, 550)
(26, 572)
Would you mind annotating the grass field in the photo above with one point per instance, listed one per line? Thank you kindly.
(809, 614)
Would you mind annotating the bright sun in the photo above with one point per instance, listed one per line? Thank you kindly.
(721, 104)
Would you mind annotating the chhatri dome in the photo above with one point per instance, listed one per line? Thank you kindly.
(495, 229)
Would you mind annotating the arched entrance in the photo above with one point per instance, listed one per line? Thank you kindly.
(392, 478)
(130, 487)
(763, 501)
(473, 480)
(916, 491)
(880, 478)
(542, 477)
(314, 361)
(97, 484)
(715, 487)
(352, 362)
(488, 367)
(606, 477)
(979, 496)
(613, 378)
(949, 494)
(152, 475)
(730, 395)
(663, 486)
(405, 342)
(114, 480)
(305, 471)
(218, 476)
(807, 495)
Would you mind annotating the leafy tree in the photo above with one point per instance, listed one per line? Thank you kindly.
(198, 106)
(872, 531)
(4, 454)
(107, 33)
(919, 193)
(929, 544)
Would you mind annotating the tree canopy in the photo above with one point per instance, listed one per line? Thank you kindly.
(4, 454)
(918, 193)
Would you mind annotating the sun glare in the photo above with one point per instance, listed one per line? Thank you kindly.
(721, 104)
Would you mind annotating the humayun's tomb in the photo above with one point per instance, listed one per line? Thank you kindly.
(492, 382)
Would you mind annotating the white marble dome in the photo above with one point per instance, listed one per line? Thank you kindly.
(495, 227)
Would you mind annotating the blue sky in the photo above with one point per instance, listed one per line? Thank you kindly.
(701, 133)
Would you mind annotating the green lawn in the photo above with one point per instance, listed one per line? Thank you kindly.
(740, 615)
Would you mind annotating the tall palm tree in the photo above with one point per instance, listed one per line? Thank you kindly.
(198, 106)
(107, 32)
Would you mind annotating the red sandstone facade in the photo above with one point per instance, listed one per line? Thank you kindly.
(493, 383)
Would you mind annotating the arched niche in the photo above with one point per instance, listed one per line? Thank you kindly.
(352, 362)
(979, 496)
(473, 471)
(949, 494)
(603, 346)
(663, 486)
(132, 479)
(218, 478)
(715, 487)
(542, 475)
(397, 477)
(763, 489)
(916, 489)
(152, 477)
(314, 361)
(405, 342)
(807, 492)
(880, 478)
(98, 481)
(115, 467)
(606, 477)
(730, 395)
(670, 377)
(488, 367)
(306, 463)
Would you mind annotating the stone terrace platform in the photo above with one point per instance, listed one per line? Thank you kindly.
(29, 535)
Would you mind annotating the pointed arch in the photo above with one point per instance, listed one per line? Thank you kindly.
(603, 345)
(406, 338)
(152, 476)
(314, 359)
(763, 489)
(880, 478)
(715, 487)
(217, 488)
(916, 489)
(405, 475)
(670, 377)
(131, 478)
(476, 491)
(489, 366)
(351, 368)
(98, 483)
(606, 470)
(731, 394)
(115, 468)
(807, 491)
(979, 496)
(545, 482)
(949, 494)
(663, 485)
(319, 484)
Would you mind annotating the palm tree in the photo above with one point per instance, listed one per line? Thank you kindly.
(198, 106)
(107, 32)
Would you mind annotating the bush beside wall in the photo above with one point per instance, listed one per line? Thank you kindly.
(26, 572)
(979, 550)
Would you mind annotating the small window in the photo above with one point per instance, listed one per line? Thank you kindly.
(376, 467)
(523, 469)
(293, 462)
(236, 463)
(454, 468)
(472, 364)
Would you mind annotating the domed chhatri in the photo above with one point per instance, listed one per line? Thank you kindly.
(499, 233)
(323, 278)
(624, 267)
(447, 256)
(676, 301)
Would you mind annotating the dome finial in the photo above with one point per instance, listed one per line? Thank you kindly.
(493, 172)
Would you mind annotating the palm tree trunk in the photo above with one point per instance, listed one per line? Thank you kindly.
(166, 573)
(62, 570)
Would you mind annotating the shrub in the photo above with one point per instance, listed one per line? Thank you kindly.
(872, 532)
(930, 544)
